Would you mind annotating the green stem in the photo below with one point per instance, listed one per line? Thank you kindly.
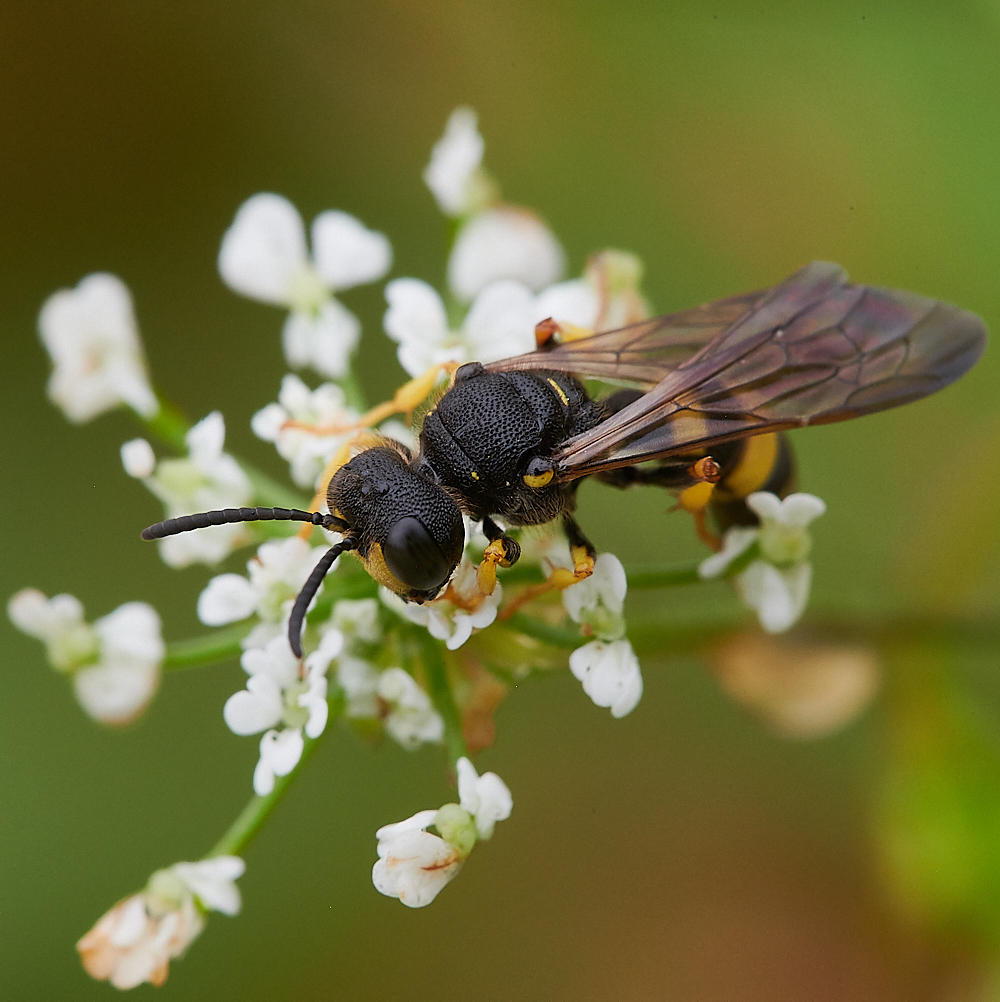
(667, 576)
(354, 395)
(441, 695)
(251, 819)
(268, 491)
(169, 424)
(218, 646)
(547, 633)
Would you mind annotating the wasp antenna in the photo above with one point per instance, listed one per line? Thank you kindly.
(310, 588)
(203, 519)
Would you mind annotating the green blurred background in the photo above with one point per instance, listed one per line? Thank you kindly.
(682, 853)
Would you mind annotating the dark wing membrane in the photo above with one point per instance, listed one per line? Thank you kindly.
(641, 353)
(813, 350)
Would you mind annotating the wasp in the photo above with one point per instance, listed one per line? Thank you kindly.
(705, 397)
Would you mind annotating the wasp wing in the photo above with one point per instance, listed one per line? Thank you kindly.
(811, 350)
(641, 353)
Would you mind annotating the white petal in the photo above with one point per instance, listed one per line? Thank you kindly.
(610, 674)
(500, 323)
(737, 540)
(212, 882)
(415, 868)
(323, 340)
(468, 777)
(282, 750)
(495, 802)
(765, 590)
(416, 313)
(138, 458)
(454, 159)
(44, 618)
(132, 631)
(346, 252)
(255, 708)
(227, 598)
(116, 693)
(573, 302)
(417, 822)
(205, 441)
(267, 423)
(330, 646)
(264, 249)
(206, 546)
(503, 243)
(801, 509)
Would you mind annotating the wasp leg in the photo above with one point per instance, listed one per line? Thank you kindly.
(582, 551)
(405, 401)
(502, 550)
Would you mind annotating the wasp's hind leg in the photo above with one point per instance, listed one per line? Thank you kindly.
(502, 550)
(581, 549)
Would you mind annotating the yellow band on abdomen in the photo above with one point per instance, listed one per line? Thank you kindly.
(753, 467)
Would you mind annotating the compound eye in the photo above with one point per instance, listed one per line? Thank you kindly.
(413, 557)
(539, 473)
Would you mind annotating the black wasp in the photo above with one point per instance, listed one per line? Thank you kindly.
(710, 389)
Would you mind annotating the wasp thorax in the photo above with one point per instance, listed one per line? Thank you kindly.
(410, 530)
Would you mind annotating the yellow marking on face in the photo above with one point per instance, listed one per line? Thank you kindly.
(376, 566)
(537, 483)
(559, 390)
(695, 498)
(754, 466)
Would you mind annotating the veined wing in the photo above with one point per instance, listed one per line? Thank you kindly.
(812, 350)
(642, 353)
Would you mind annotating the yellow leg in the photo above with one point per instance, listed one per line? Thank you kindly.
(560, 578)
(695, 500)
(405, 400)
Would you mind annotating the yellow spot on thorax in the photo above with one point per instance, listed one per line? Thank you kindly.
(559, 390)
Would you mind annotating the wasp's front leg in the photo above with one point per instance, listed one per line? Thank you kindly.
(502, 550)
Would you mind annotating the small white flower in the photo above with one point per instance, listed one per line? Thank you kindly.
(454, 174)
(448, 620)
(412, 719)
(487, 797)
(264, 256)
(776, 586)
(504, 243)
(114, 663)
(414, 865)
(276, 694)
(136, 940)
(610, 674)
(276, 576)
(307, 454)
(207, 479)
(598, 600)
(91, 336)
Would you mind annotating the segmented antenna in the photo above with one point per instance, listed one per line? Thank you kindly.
(203, 519)
(310, 588)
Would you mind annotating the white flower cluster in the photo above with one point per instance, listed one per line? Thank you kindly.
(264, 256)
(205, 480)
(306, 452)
(136, 940)
(775, 585)
(114, 662)
(274, 578)
(506, 264)
(454, 616)
(415, 864)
